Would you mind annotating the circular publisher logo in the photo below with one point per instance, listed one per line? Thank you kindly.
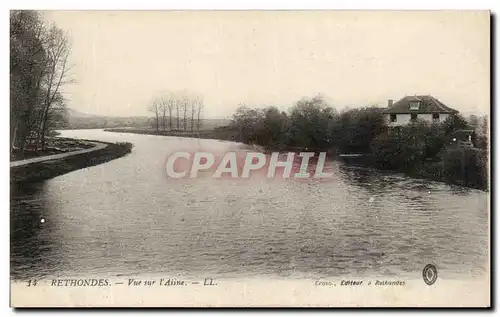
(430, 274)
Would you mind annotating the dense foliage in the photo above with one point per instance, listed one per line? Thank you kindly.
(38, 71)
(420, 149)
(310, 124)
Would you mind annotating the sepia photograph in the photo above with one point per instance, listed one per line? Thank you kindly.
(279, 158)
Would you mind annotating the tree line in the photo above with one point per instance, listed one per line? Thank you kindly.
(309, 124)
(177, 111)
(419, 149)
(39, 69)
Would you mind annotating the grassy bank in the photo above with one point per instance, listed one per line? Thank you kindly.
(217, 133)
(466, 167)
(54, 145)
(420, 149)
(423, 153)
(40, 171)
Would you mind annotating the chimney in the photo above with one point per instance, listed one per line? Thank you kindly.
(390, 102)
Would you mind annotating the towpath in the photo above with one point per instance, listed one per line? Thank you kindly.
(97, 146)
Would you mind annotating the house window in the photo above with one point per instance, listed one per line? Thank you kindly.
(435, 117)
(413, 117)
(414, 105)
(393, 118)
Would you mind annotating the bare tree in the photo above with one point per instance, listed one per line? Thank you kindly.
(58, 50)
(162, 105)
(170, 106)
(200, 105)
(184, 107)
(177, 107)
(58, 112)
(38, 71)
(193, 111)
(154, 107)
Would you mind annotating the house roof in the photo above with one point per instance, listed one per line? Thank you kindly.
(428, 104)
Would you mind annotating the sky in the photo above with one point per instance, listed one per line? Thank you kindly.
(121, 60)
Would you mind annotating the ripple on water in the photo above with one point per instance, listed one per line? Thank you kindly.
(125, 217)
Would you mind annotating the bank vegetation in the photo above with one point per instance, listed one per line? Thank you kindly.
(39, 70)
(420, 149)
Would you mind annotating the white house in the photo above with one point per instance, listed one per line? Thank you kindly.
(412, 108)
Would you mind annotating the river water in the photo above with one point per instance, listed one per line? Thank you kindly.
(126, 218)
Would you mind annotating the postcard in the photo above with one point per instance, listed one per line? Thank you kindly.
(250, 158)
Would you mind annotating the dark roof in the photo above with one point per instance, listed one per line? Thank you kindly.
(428, 104)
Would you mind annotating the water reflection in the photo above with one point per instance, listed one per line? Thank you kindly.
(124, 218)
(32, 244)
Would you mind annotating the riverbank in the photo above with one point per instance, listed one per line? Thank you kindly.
(54, 146)
(43, 170)
(462, 167)
(219, 133)
(216, 134)
(448, 171)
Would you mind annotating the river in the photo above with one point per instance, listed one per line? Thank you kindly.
(125, 218)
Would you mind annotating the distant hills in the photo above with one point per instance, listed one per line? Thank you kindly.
(80, 120)
(77, 114)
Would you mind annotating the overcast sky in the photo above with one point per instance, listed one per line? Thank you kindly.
(123, 59)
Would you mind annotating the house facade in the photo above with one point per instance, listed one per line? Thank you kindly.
(413, 108)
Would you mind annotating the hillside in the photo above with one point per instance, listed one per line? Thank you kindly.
(77, 114)
(80, 120)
